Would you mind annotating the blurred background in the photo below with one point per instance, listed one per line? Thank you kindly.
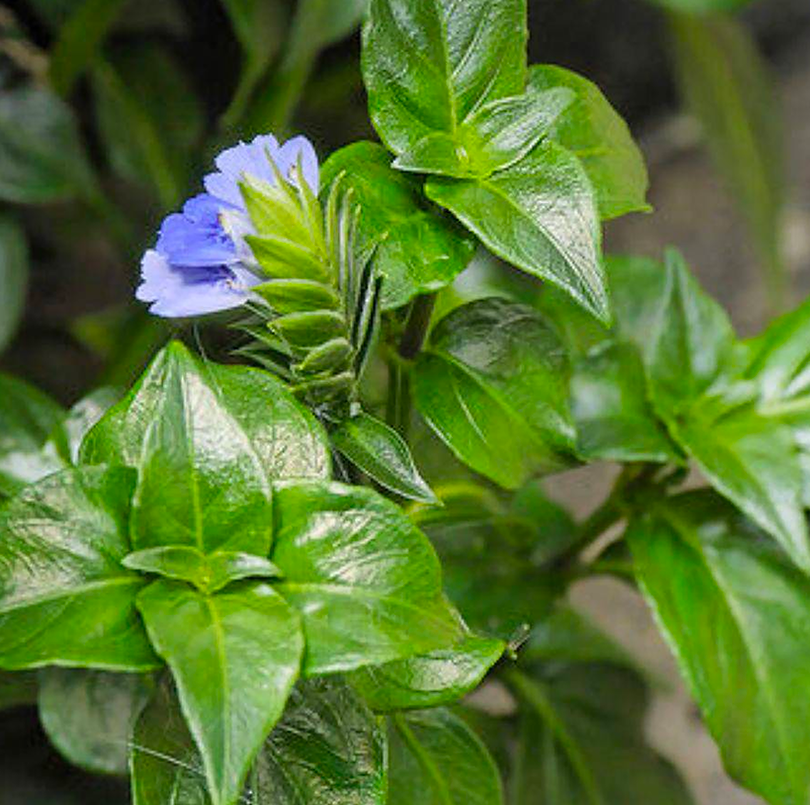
(110, 111)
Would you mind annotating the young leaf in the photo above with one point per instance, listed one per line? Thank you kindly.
(428, 67)
(27, 416)
(64, 596)
(89, 715)
(593, 131)
(323, 718)
(196, 430)
(493, 386)
(13, 277)
(540, 215)
(429, 680)
(581, 740)
(417, 250)
(436, 759)
(235, 656)
(41, 155)
(208, 573)
(366, 581)
(610, 405)
(721, 591)
(381, 453)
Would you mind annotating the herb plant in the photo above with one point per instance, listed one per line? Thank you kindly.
(275, 579)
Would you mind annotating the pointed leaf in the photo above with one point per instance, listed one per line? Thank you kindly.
(381, 453)
(429, 680)
(366, 581)
(493, 386)
(428, 67)
(737, 617)
(235, 656)
(539, 215)
(64, 596)
(436, 759)
(593, 131)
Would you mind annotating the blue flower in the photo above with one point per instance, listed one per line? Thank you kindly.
(201, 263)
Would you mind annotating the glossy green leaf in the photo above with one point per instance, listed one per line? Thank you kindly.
(235, 656)
(735, 613)
(492, 138)
(381, 453)
(41, 155)
(209, 573)
(365, 579)
(418, 249)
(436, 759)
(324, 721)
(727, 86)
(493, 386)
(328, 749)
(610, 405)
(428, 68)
(429, 680)
(208, 440)
(64, 596)
(27, 416)
(13, 278)
(133, 87)
(592, 130)
(89, 715)
(581, 740)
(540, 215)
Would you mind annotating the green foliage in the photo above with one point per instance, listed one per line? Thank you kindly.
(239, 585)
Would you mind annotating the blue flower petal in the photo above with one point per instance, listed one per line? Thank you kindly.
(252, 158)
(195, 237)
(299, 149)
(178, 291)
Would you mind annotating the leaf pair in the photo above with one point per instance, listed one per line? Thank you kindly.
(202, 502)
(451, 96)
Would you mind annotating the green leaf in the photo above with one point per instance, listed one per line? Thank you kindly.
(721, 592)
(697, 388)
(493, 386)
(727, 86)
(366, 581)
(428, 68)
(492, 138)
(208, 573)
(66, 438)
(208, 441)
(13, 278)
(64, 597)
(429, 680)
(27, 416)
(133, 88)
(592, 130)
(235, 656)
(89, 715)
(327, 750)
(581, 739)
(417, 250)
(41, 155)
(436, 759)
(540, 215)
(381, 453)
(613, 416)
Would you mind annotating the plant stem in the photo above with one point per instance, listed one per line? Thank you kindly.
(398, 413)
